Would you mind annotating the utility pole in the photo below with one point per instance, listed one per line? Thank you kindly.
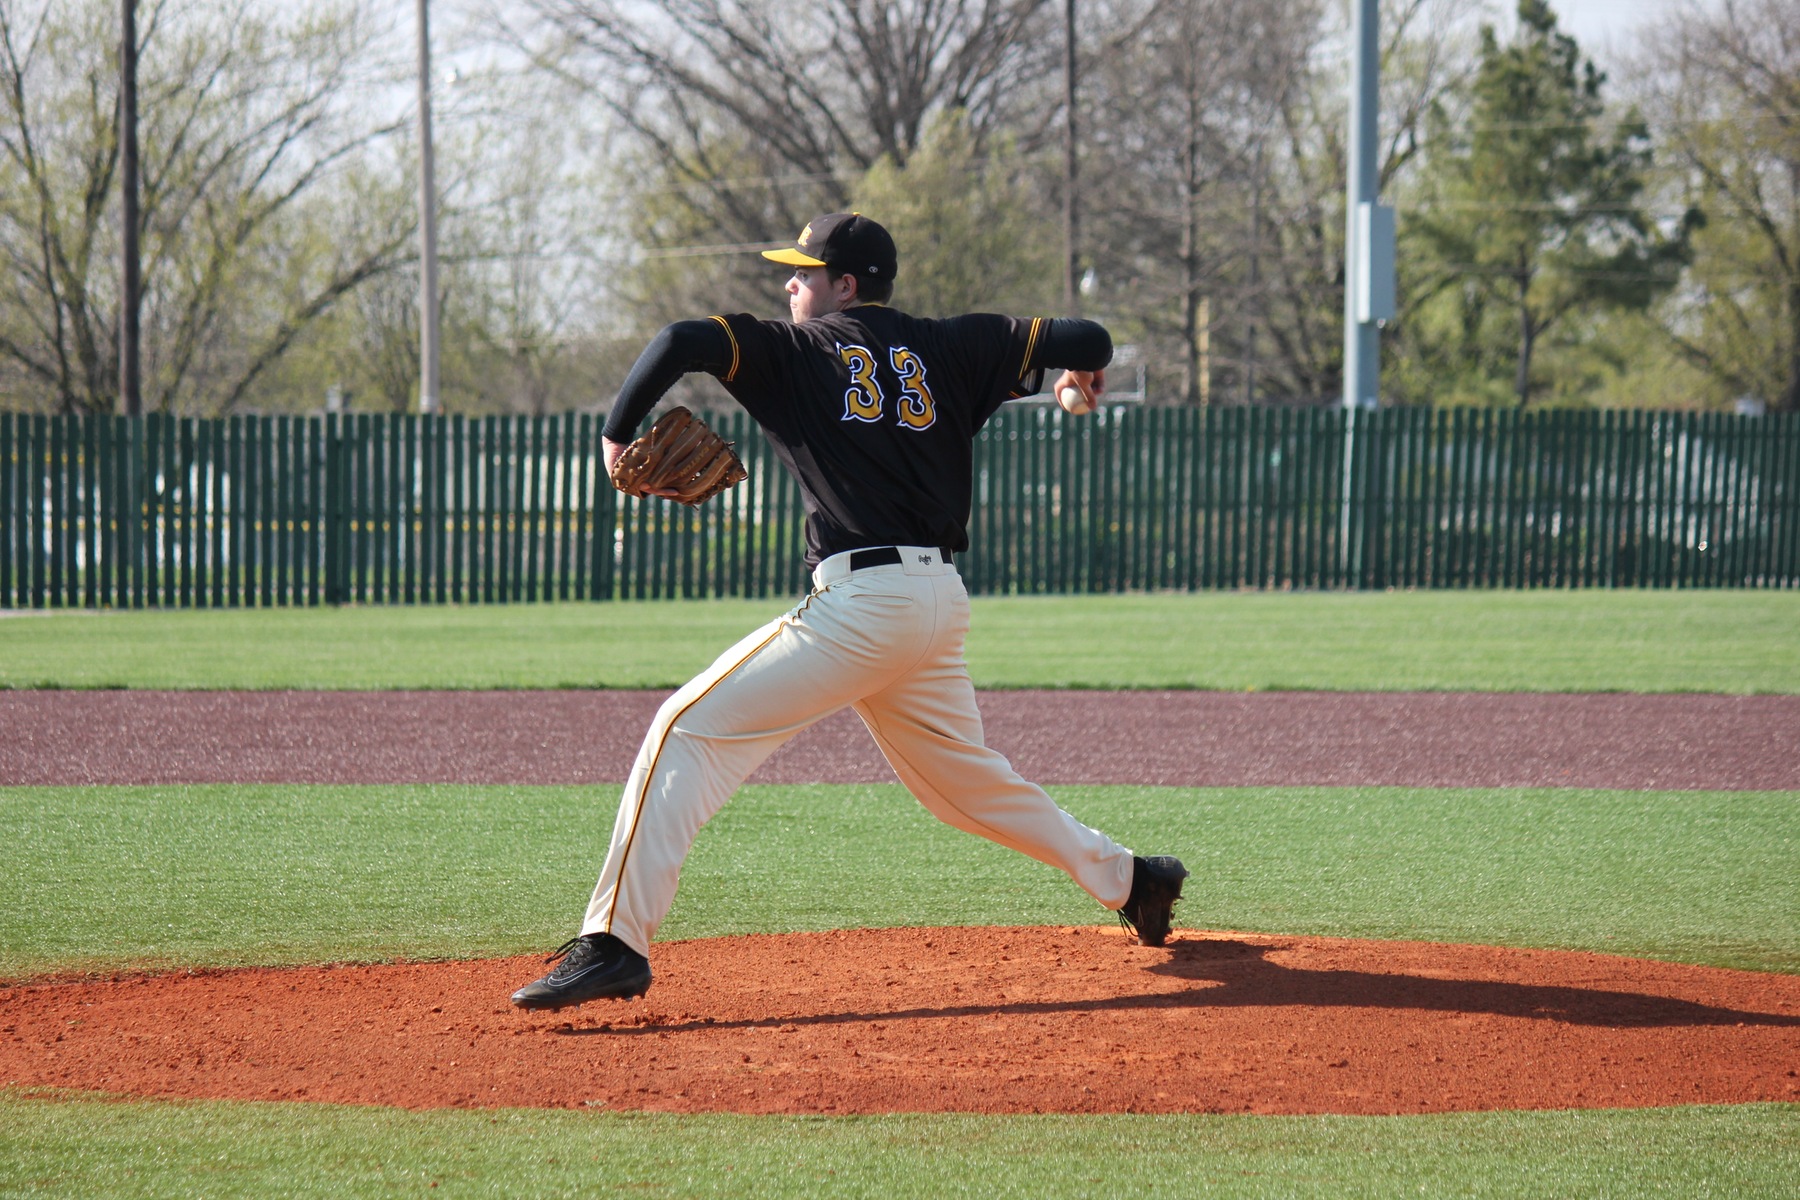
(1071, 173)
(428, 287)
(1368, 265)
(1368, 226)
(1253, 301)
(131, 284)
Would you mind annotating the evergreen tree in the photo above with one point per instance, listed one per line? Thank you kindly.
(1535, 214)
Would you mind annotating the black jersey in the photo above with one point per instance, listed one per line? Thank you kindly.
(875, 413)
(872, 411)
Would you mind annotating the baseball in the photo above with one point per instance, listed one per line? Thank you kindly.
(1073, 401)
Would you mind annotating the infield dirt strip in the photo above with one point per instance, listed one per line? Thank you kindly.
(983, 1020)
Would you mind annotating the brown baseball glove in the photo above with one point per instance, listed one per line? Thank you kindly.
(680, 455)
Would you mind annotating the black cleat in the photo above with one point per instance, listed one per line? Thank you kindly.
(595, 966)
(1155, 887)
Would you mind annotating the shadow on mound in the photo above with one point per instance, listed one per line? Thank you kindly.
(1243, 975)
(1232, 973)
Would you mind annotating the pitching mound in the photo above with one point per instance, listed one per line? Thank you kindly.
(944, 1020)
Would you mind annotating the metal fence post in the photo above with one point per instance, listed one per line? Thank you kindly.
(337, 511)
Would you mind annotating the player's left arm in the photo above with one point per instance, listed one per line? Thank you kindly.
(679, 349)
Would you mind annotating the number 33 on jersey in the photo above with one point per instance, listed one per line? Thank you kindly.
(864, 399)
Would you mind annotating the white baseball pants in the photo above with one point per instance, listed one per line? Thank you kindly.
(888, 640)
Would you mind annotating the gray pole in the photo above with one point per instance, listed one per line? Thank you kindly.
(1368, 269)
(131, 397)
(1253, 301)
(1362, 335)
(428, 285)
(1071, 211)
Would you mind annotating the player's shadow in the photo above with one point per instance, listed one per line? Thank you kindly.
(1242, 975)
(1235, 974)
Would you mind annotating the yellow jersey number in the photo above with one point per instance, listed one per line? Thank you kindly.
(863, 400)
(917, 409)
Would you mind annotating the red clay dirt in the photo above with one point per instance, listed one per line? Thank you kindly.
(978, 1020)
(945, 1020)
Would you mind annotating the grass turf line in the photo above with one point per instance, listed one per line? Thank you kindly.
(71, 1144)
(103, 878)
(1598, 640)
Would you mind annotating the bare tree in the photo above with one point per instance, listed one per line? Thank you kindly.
(1184, 93)
(245, 118)
(1723, 92)
(1216, 206)
(766, 110)
(526, 277)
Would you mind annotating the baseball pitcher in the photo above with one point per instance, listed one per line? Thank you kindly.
(874, 414)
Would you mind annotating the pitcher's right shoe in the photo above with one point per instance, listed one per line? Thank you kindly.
(595, 966)
(1155, 887)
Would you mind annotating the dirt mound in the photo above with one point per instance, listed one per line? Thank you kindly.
(944, 1020)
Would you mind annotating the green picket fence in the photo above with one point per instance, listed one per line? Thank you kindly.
(1323, 498)
(180, 512)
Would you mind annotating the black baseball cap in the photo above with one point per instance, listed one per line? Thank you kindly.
(846, 243)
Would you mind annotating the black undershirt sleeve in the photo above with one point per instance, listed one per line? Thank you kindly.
(1073, 344)
(680, 349)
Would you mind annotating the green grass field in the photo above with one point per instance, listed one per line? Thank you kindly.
(1545, 641)
(52, 1146)
(128, 877)
(107, 877)
(101, 878)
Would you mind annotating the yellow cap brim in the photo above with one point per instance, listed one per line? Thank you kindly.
(792, 258)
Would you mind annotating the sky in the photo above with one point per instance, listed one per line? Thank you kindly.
(1599, 25)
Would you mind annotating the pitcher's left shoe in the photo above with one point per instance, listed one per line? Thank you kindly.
(595, 966)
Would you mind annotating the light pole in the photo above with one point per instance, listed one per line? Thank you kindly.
(1071, 164)
(131, 397)
(1368, 226)
(428, 289)
(1368, 266)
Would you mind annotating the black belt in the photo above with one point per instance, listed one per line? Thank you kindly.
(883, 556)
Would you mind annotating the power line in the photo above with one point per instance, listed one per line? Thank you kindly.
(1500, 272)
(1652, 124)
(706, 251)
